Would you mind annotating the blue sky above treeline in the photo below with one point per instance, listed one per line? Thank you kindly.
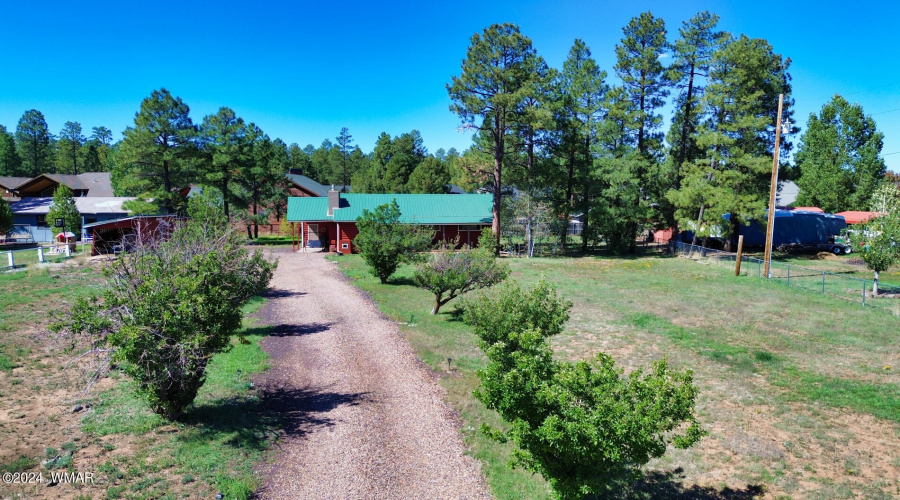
(303, 70)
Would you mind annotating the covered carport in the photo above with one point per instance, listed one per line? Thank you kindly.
(120, 235)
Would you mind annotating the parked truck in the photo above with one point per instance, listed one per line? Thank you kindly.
(799, 230)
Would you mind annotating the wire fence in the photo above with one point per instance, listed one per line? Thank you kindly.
(11, 259)
(834, 284)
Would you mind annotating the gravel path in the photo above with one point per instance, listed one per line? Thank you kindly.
(364, 417)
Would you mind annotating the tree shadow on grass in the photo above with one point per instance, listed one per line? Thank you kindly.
(668, 485)
(255, 422)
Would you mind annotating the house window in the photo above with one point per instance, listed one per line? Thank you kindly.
(42, 221)
(345, 246)
(470, 228)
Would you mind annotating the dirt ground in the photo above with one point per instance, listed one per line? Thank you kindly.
(365, 417)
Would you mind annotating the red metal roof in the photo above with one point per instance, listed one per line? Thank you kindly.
(857, 217)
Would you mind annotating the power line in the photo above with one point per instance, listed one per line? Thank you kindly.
(883, 112)
(889, 154)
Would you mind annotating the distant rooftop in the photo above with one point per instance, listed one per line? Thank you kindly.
(313, 186)
(85, 205)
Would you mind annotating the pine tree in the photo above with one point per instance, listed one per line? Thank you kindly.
(10, 162)
(583, 91)
(737, 136)
(227, 147)
(488, 93)
(156, 157)
(69, 147)
(34, 143)
(692, 54)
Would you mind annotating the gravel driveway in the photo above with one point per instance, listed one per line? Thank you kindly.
(364, 418)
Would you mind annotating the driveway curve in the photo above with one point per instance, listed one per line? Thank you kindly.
(363, 417)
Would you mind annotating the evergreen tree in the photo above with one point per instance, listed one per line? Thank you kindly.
(737, 137)
(102, 135)
(6, 217)
(34, 143)
(839, 158)
(157, 154)
(645, 85)
(10, 162)
(372, 179)
(227, 147)
(69, 148)
(489, 92)
(258, 178)
(430, 177)
(345, 147)
(583, 91)
(692, 54)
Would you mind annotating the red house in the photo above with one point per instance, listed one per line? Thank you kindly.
(330, 223)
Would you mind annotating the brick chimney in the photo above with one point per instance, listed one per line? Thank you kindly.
(334, 200)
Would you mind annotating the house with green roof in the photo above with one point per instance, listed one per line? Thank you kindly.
(329, 223)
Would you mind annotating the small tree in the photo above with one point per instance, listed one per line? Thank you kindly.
(452, 273)
(63, 207)
(878, 244)
(384, 242)
(585, 427)
(169, 306)
(6, 217)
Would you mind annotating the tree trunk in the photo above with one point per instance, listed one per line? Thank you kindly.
(498, 167)
(875, 285)
(225, 197)
(699, 221)
(568, 201)
(167, 185)
(437, 303)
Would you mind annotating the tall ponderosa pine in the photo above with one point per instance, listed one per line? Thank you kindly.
(69, 145)
(838, 158)
(645, 86)
(34, 143)
(582, 93)
(740, 108)
(227, 146)
(488, 93)
(692, 54)
(157, 154)
(10, 162)
(256, 180)
(345, 146)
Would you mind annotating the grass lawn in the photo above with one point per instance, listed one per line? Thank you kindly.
(799, 392)
(132, 452)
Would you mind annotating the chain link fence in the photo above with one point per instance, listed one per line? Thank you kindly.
(820, 281)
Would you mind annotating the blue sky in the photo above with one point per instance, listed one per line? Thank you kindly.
(303, 70)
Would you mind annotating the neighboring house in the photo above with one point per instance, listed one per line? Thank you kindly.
(93, 184)
(787, 193)
(330, 223)
(303, 186)
(31, 214)
(7, 187)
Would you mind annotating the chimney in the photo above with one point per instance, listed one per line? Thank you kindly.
(334, 201)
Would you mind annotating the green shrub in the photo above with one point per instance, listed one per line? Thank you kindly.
(451, 273)
(171, 304)
(384, 242)
(585, 427)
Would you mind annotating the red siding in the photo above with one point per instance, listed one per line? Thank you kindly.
(349, 232)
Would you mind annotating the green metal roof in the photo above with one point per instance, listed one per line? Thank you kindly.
(415, 208)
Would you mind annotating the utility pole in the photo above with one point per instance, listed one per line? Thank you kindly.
(770, 226)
